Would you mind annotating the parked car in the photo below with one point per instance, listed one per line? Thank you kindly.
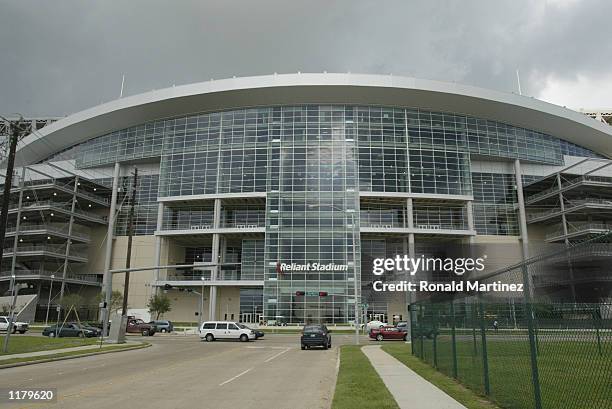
(374, 324)
(138, 326)
(258, 333)
(94, 324)
(84, 325)
(68, 330)
(163, 326)
(403, 325)
(388, 332)
(213, 330)
(18, 326)
(315, 335)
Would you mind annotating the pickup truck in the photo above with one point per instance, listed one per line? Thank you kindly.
(138, 326)
(20, 327)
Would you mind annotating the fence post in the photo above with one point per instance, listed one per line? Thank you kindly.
(485, 358)
(435, 336)
(533, 352)
(411, 316)
(474, 318)
(454, 345)
(421, 336)
(596, 320)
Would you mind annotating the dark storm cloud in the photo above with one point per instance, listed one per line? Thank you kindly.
(58, 57)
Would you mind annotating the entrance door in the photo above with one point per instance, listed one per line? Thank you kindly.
(250, 318)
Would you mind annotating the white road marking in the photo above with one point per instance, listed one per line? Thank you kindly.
(235, 377)
(277, 355)
(256, 347)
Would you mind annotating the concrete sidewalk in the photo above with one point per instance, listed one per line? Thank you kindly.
(407, 387)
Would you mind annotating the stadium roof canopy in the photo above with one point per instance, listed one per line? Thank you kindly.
(325, 88)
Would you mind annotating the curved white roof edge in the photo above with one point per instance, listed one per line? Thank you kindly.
(325, 88)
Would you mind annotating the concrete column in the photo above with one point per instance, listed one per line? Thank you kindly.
(566, 240)
(521, 209)
(523, 224)
(158, 239)
(69, 240)
(107, 281)
(212, 310)
(409, 248)
(469, 208)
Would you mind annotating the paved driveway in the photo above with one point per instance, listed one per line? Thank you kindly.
(183, 372)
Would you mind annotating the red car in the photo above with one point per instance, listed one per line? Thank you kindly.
(388, 332)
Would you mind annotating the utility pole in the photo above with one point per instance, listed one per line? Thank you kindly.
(15, 133)
(8, 180)
(126, 283)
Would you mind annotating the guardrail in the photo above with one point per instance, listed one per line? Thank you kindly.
(567, 184)
(579, 227)
(28, 227)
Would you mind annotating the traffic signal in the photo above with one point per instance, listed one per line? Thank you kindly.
(299, 293)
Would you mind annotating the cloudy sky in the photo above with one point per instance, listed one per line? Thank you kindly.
(58, 57)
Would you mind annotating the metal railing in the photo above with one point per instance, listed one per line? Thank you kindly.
(570, 206)
(59, 206)
(572, 182)
(579, 227)
(77, 231)
(68, 187)
(94, 278)
(60, 250)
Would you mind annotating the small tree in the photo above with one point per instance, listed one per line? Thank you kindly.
(116, 300)
(159, 304)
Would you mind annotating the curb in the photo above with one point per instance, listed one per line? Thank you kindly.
(63, 358)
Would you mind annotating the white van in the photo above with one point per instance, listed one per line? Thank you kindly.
(212, 330)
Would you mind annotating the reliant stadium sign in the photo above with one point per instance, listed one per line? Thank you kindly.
(313, 267)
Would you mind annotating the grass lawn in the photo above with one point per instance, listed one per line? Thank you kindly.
(358, 385)
(19, 344)
(104, 349)
(453, 388)
(573, 373)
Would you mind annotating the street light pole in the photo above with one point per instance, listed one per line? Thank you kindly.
(49, 300)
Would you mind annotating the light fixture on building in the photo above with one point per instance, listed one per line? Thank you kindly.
(95, 189)
(28, 197)
(90, 205)
(24, 217)
(48, 237)
(54, 193)
(52, 214)
(20, 240)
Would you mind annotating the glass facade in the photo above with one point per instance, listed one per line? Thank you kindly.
(310, 163)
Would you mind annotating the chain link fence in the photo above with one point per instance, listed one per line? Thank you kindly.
(533, 350)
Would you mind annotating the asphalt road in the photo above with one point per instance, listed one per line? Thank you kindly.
(183, 372)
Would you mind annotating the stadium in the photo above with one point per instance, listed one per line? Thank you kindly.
(244, 184)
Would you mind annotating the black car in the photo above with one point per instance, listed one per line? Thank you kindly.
(68, 330)
(316, 335)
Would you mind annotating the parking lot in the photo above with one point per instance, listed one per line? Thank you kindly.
(182, 371)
